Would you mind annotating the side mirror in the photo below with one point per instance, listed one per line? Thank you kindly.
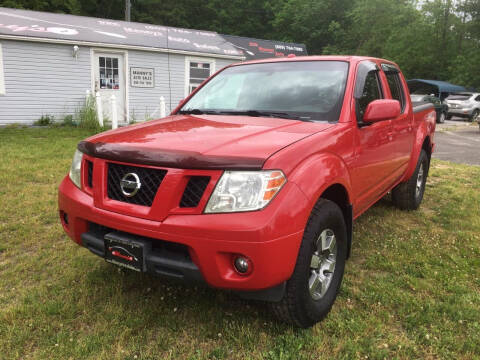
(379, 110)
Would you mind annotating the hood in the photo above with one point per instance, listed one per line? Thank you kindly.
(201, 141)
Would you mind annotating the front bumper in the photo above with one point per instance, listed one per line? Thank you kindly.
(270, 238)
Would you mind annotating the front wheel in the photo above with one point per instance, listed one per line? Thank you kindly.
(409, 195)
(441, 118)
(475, 115)
(313, 287)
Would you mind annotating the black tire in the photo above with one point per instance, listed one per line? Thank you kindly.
(298, 306)
(441, 118)
(449, 117)
(405, 195)
(474, 115)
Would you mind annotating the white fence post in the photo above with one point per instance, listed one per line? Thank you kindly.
(113, 107)
(98, 101)
(87, 95)
(163, 111)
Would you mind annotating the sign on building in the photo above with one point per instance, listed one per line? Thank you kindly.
(142, 77)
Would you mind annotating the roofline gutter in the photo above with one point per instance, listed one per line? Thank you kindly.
(118, 46)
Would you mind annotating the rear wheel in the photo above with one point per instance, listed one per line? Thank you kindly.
(409, 195)
(313, 287)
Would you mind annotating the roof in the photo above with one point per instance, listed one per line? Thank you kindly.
(353, 59)
(263, 49)
(52, 27)
(443, 86)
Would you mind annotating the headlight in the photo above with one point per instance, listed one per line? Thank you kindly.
(75, 169)
(245, 190)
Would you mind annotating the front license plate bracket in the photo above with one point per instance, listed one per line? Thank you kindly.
(126, 250)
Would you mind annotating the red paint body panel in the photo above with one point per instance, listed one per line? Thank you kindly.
(366, 161)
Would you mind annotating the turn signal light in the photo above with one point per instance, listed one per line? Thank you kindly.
(274, 184)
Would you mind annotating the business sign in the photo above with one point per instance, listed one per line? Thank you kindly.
(264, 49)
(142, 77)
(17, 22)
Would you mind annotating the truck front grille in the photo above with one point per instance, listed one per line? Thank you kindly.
(194, 191)
(89, 173)
(150, 180)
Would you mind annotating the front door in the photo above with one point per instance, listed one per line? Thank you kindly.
(110, 80)
(373, 168)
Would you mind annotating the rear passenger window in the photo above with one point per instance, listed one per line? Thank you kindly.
(477, 98)
(396, 88)
(371, 91)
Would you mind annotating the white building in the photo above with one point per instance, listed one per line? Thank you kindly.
(49, 61)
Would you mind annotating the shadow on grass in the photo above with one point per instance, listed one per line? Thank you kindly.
(141, 300)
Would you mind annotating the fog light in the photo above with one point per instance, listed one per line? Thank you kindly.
(65, 218)
(243, 265)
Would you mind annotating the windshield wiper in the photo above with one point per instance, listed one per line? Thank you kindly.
(253, 113)
(257, 113)
(197, 111)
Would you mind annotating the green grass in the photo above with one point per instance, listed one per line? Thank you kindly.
(411, 288)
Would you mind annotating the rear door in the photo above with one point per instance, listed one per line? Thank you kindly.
(402, 126)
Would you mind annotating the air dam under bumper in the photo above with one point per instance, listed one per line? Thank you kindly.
(269, 238)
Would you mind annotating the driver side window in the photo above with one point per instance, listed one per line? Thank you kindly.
(371, 91)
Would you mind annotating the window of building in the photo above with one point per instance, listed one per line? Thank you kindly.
(108, 68)
(2, 75)
(371, 91)
(197, 70)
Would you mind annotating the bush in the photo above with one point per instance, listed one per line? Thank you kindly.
(86, 117)
(68, 121)
(45, 120)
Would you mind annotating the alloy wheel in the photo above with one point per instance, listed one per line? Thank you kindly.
(420, 176)
(322, 264)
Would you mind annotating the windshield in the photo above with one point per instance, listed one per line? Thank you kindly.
(459, 97)
(418, 97)
(302, 90)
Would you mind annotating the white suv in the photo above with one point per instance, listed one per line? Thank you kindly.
(464, 105)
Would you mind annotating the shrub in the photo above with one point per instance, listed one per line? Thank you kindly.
(68, 121)
(86, 117)
(45, 120)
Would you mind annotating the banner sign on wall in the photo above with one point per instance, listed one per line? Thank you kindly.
(36, 24)
(142, 77)
(264, 49)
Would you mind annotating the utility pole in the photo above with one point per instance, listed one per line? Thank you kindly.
(128, 6)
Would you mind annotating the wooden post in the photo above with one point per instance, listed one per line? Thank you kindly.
(163, 111)
(113, 107)
(98, 101)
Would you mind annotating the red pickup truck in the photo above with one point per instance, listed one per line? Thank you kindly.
(253, 182)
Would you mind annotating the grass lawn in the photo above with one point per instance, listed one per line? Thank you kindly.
(411, 287)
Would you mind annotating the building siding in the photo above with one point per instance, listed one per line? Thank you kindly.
(145, 102)
(45, 79)
(42, 79)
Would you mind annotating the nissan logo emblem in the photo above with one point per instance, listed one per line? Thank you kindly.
(130, 184)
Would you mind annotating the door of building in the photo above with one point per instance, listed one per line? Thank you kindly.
(110, 80)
